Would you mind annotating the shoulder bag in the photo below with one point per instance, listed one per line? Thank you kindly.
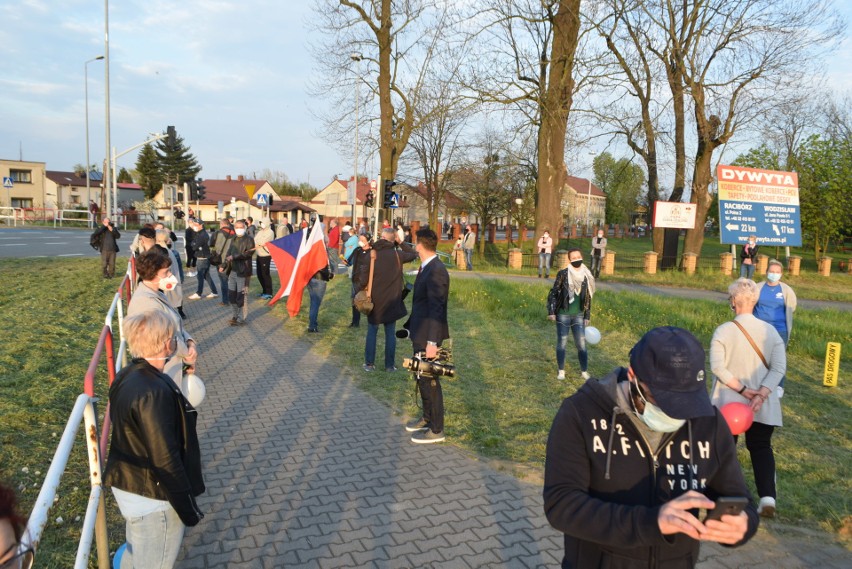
(753, 345)
(363, 301)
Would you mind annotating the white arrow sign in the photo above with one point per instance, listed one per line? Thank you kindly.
(732, 227)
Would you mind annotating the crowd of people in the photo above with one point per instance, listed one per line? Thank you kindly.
(630, 459)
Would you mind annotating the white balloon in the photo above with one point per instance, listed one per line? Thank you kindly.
(593, 335)
(193, 389)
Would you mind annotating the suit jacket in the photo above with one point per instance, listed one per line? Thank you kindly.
(428, 321)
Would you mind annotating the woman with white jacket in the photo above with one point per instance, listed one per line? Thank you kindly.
(748, 360)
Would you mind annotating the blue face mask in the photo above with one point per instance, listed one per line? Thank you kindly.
(773, 277)
(655, 419)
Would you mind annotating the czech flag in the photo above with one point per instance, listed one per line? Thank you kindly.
(297, 257)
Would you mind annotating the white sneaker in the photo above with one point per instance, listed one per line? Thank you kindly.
(191, 274)
(586, 375)
(560, 374)
(212, 295)
(766, 508)
(194, 296)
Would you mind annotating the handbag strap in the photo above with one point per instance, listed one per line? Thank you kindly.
(753, 345)
(370, 280)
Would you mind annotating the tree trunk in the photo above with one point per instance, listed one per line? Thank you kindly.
(700, 196)
(555, 106)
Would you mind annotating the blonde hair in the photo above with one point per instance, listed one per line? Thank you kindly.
(743, 291)
(163, 237)
(147, 332)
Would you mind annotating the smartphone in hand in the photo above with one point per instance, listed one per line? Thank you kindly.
(727, 506)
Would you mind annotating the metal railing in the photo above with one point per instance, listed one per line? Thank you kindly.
(7, 212)
(95, 523)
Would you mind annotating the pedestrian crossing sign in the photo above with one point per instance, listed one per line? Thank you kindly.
(7, 182)
(262, 200)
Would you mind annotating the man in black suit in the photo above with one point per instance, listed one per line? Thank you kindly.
(428, 328)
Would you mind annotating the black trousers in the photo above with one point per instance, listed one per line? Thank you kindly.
(759, 445)
(108, 263)
(190, 258)
(263, 276)
(433, 398)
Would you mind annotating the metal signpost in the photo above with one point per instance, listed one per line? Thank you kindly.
(764, 203)
(7, 183)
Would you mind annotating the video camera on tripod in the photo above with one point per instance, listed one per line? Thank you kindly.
(437, 368)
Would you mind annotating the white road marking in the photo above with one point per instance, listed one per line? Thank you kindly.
(13, 244)
(71, 255)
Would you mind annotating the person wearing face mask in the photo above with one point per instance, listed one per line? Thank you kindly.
(748, 256)
(598, 252)
(569, 304)
(237, 265)
(360, 260)
(776, 304)
(748, 360)
(154, 460)
(175, 293)
(154, 270)
(633, 456)
(545, 248)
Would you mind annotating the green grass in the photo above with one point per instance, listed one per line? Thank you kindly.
(809, 284)
(499, 407)
(505, 396)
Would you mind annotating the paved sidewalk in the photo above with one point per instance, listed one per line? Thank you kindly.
(305, 470)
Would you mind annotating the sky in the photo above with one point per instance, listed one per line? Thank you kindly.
(231, 76)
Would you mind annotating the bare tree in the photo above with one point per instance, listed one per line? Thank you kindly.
(395, 39)
(531, 47)
(733, 59)
(440, 113)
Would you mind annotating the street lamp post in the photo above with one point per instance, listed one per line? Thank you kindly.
(356, 57)
(588, 206)
(88, 162)
(106, 107)
(518, 202)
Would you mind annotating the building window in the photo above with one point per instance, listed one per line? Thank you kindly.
(22, 202)
(21, 176)
(75, 199)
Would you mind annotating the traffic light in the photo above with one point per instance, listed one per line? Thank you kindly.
(193, 190)
(172, 135)
(369, 201)
(200, 191)
(389, 195)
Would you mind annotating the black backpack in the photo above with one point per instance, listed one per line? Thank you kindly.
(96, 240)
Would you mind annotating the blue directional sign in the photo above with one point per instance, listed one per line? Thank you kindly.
(262, 200)
(764, 203)
(7, 182)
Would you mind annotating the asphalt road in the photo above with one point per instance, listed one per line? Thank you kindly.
(48, 242)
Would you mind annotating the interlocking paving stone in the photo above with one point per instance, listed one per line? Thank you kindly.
(292, 482)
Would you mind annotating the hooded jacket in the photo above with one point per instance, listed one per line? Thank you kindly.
(604, 486)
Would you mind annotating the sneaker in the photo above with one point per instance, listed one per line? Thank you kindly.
(232, 321)
(313, 330)
(391, 369)
(212, 295)
(194, 296)
(416, 425)
(560, 374)
(223, 304)
(354, 325)
(267, 297)
(369, 367)
(766, 508)
(427, 437)
(586, 375)
(191, 274)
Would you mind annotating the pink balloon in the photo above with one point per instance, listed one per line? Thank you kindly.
(739, 417)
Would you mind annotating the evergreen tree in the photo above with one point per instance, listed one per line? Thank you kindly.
(148, 168)
(177, 164)
(124, 176)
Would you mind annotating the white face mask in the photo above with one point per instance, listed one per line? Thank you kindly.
(240, 232)
(655, 419)
(773, 277)
(168, 283)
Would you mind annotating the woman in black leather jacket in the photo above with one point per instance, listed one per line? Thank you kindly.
(154, 462)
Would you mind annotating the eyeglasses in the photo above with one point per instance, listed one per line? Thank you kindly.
(23, 560)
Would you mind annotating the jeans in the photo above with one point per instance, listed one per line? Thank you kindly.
(596, 266)
(544, 264)
(468, 258)
(759, 445)
(223, 285)
(203, 266)
(263, 275)
(153, 541)
(316, 290)
(576, 325)
(237, 291)
(179, 264)
(390, 343)
(108, 263)
(746, 271)
(356, 314)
